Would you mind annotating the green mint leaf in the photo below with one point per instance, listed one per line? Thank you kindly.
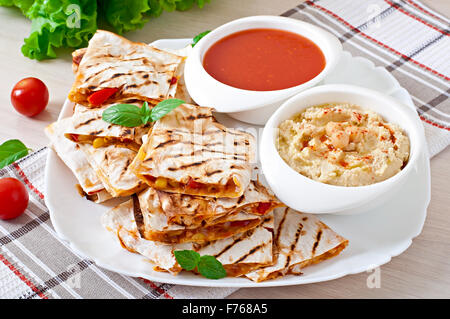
(11, 151)
(188, 259)
(164, 107)
(198, 37)
(211, 268)
(146, 114)
(127, 115)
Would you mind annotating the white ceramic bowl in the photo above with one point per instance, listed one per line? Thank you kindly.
(253, 106)
(307, 195)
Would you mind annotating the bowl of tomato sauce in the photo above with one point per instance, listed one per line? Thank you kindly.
(250, 66)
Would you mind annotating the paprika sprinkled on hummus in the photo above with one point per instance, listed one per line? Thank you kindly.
(342, 144)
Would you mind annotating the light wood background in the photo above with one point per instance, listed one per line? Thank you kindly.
(423, 271)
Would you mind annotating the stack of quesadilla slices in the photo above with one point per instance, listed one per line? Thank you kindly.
(113, 70)
(189, 177)
(200, 197)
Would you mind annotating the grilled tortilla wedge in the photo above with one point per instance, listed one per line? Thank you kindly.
(111, 164)
(71, 154)
(238, 254)
(134, 70)
(178, 218)
(189, 152)
(157, 228)
(300, 240)
(88, 127)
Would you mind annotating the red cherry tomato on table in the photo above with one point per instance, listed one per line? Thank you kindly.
(29, 96)
(13, 198)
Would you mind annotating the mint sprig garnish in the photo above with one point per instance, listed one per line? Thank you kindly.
(207, 266)
(130, 115)
(11, 151)
(198, 37)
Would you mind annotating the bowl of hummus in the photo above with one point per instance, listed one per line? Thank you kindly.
(339, 149)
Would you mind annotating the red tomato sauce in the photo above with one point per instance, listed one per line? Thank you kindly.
(263, 60)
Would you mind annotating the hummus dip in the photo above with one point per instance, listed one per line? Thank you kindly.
(342, 144)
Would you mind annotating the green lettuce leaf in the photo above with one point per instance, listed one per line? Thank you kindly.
(125, 15)
(58, 23)
(23, 5)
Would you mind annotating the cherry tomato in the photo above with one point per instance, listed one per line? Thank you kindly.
(97, 98)
(29, 96)
(13, 198)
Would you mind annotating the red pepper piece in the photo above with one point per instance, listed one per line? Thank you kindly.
(193, 184)
(97, 98)
(262, 208)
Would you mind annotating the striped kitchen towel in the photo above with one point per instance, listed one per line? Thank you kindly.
(407, 38)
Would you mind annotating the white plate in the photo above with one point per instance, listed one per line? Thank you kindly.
(375, 237)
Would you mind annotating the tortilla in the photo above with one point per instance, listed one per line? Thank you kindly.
(88, 125)
(300, 240)
(157, 226)
(189, 152)
(71, 154)
(111, 164)
(238, 254)
(180, 91)
(77, 56)
(190, 210)
(136, 69)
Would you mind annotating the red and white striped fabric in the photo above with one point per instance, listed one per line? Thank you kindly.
(405, 37)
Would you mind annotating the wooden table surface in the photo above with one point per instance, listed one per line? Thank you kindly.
(423, 271)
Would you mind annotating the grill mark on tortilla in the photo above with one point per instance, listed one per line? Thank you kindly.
(213, 172)
(198, 116)
(316, 243)
(188, 165)
(214, 144)
(251, 252)
(96, 132)
(87, 122)
(97, 73)
(241, 199)
(293, 245)
(248, 234)
(127, 131)
(280, 226)
(125, 167)
(165, 143)
(138, 217)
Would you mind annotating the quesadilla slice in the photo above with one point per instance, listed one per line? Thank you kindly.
(158, 228)
(238, 254)
(191, 210)
(77, 56)
(88, 127)
(111, 164)
(300, 240)
(179, 91)
(189, 152)
(113, 68)
(70, 153)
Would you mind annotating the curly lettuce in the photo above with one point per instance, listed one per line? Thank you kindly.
(23, 5)
(59, 23)
(71, 23)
